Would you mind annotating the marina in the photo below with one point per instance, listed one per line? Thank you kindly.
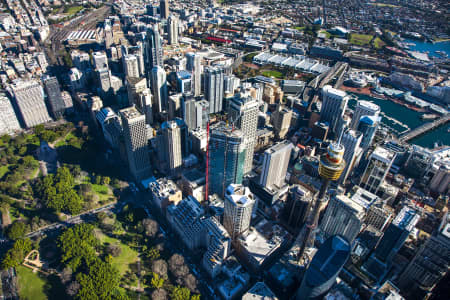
(400, 119)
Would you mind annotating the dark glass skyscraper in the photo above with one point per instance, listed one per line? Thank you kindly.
(226, 158)
(154, 50)
(54, 97)
(324, 268)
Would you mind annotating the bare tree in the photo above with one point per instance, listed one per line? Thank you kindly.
(66, 275)
(73, 288)
(159, 294)
(114, 249)
(191, 283)
(150, 227)
(160, 267)
(177, 266)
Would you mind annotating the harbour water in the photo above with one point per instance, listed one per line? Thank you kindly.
(429, 47)
(406, 118)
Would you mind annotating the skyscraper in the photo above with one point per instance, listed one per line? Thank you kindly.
(297, 206)
(172, 146)
(281, 120)
(275, 164)
(54, 96)
(393, 239)
(238, 206)
(226, 158)
(368, 127)
(159, 89)
(135, 136)
(351, 140)
(194, 65)
(144, 105)
(334, 103)
(131, 65)
(324, 268)
(343, 217)
(100, 60)
(30, 103)
(8, 121)
(380, 161)
(172, 26)
(154, 50)
(363, 108)
(164, 9)
(243, 114)
(104, 80)
(431, 262)
(213, 85)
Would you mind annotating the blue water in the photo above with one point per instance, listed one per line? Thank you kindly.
(411, 119)
(431, 48)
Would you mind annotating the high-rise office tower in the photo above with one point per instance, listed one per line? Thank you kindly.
(431, 262)
(184, 82)
(202, 112)
(8, 121)
(144, 105)
(213, 86)
(231, 83)
(275, 164)
(324, 268)
(154, 50)
(243, 114)
(135, 136)
(100, 60)
(440, 182)
(351, 140)
(104, 80)
(164, 9)
(30, 103)
(81, 60)
(343, 217)
(368, 127)
(297, 207)
(363, 108)
(135, 86)
(131, 65)
(54, 97)
(189, 112)
(281, 120)
(334, 103)
(227, 150)
(174, 104)
(159, 89)
(138, 52)
(194, 65)
(172, 26)
(393, 239)
(238, 206)
(172, 146)
(380, 161)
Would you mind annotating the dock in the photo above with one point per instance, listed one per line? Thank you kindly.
(424, 128)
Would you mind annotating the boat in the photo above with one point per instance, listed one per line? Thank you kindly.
(441, 53)
(428, 117)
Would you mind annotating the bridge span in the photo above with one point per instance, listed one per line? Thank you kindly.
(424, 128)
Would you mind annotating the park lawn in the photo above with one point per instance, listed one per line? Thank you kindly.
(327, 34)
(378, 43)
(72, 10)
(272, 73)
(3, 170)
(360, 39)
(126, 257)
(301, 28)
(31, 285)
(65, 141)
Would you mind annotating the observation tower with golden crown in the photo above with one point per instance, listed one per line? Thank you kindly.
(330, 169)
